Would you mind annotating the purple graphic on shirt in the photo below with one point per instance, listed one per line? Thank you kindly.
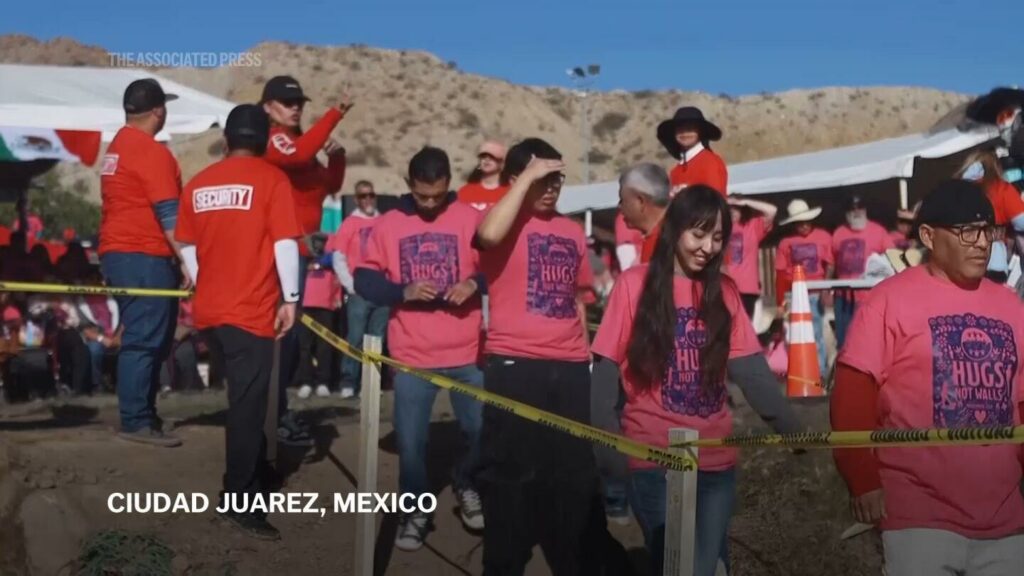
(430, 256)
(736, 249)
(554, 264)
(364, 239)
(805, 255)
(852, 257)
(974, 360)
(681, 388)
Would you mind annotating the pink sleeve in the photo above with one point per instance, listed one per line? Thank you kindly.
(376, 252)
(885, 239)
(782, 255)
(742, 339)
(612, 336)
(585, 279)
(761, 228)
(826, 244)
(869, 342)
(344, 237)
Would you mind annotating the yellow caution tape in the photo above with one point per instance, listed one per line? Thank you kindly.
(91, 290)
(872, 439)
(660, 456)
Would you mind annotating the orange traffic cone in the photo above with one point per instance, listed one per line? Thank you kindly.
(803, 379)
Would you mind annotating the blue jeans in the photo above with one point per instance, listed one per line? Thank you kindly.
(364, 317)
(845, 307)
(818, 320)
(148, 331)
(716, 498)
(96, 351)
(414, 400)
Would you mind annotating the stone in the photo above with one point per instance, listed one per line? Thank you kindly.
(53, 527)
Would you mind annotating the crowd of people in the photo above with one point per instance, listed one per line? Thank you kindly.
(490, 285)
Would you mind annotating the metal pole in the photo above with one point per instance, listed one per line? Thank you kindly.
(585, 129)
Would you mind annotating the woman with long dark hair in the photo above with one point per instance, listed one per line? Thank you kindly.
(676, 328)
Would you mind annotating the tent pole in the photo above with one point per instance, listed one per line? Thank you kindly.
(588, 225)
(904, 197)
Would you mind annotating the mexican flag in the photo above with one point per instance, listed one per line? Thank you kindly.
(24, 144)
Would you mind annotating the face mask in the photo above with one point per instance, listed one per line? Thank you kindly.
(856, 221)
(974, 172)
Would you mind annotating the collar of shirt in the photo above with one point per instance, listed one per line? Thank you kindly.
(688, 155)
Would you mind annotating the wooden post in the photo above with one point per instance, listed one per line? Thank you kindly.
(369, 436)
(270, 425)
(681, 512)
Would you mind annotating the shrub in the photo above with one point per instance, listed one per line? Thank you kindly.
(598, 157)
(609, 123)
(467, 119)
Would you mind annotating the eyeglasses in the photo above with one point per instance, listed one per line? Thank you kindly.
(969, 235)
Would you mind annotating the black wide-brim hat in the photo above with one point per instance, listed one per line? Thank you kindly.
(667, 129)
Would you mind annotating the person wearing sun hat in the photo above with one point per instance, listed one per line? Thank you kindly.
(484, 187)
(810, 247)
(687, 136)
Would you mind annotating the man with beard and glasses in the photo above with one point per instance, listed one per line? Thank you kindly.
(852, 244)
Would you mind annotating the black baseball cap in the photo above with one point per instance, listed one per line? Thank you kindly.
(247, 122)
(282, 89)
(144, 95)
(955, 203)
(855, 201)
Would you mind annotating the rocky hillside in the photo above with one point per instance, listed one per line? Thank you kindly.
(406, 99)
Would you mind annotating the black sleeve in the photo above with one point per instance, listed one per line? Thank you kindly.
(375, 287)
(761, 389)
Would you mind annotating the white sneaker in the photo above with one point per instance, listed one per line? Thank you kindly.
(322, 391)
(412, 531)
(347, 393)
(305, 391)
(470, 510)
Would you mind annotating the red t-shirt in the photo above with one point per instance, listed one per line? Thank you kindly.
(137, 172)
(851, 249)
(407, 248)
(679, 401)
(705, 168)
(233, 212)
(353, 239)
(479, 196)
(742, 256)
(1006, 201)
(650, 241)
(534, 279)
(944, 357)
(311, 181)
(813, 252)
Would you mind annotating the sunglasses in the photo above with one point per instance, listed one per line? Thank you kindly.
(296, 103)
(366, 195)
(554, 179)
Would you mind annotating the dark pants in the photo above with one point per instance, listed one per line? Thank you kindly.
(289, 356)
(605, 413)
(181, 370)
(749, 303)
(248, 360)
(148, 332)
(74, 361)
(537, 484)
(845, 307)
(313, 347)
(716, 499)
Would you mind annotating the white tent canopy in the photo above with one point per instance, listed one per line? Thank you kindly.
(81, 98)
(850, 165)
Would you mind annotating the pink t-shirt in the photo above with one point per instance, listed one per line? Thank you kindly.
(680, 400)
(851, 249)
(741, 257)
(407, 248)
(352, 239)
(944, 357)
(322, 287)
(813, 252)
(899, 240)
(533, 280)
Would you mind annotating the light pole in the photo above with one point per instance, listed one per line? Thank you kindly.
(583, 78)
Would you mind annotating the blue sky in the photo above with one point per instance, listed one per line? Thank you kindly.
(718, 46)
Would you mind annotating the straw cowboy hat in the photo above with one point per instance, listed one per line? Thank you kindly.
(799, 211)
(667, 129)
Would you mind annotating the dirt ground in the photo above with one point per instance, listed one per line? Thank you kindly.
(59, 462)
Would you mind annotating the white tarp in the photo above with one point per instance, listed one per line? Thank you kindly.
(860, 164)
(81, 98)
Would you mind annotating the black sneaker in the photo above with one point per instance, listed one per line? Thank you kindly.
(292, 433)
(254, 525)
